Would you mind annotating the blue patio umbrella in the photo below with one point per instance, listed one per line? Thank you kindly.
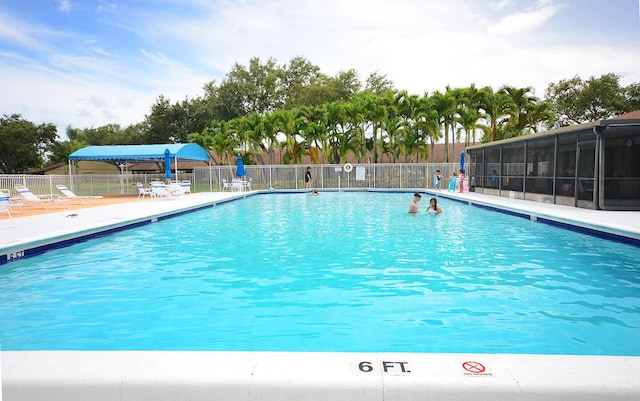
(167, 164)
(240, 171)
(462, 162)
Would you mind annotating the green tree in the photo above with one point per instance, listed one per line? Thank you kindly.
(391, 144)
(445, 104)
(576, 101)
(632, 97)
(23, 145)
(335, 114)
(379, 84)
(160, 124)
(288, 124)
(296, 77)
(496, 109)
(255, 89)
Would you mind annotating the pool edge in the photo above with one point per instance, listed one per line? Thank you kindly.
(206, 375)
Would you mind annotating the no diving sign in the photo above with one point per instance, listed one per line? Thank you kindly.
(473, 368)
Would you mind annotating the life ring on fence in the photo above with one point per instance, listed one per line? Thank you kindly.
(347, 167)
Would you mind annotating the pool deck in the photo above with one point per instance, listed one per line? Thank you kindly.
(169, 375)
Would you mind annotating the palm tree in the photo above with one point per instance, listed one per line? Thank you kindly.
(287, 123)
(312, 129)
(445, 104)
(429, 123)
(393, 127)
(496, 109)
(468, 120)
(253, 130)
(523, 100)
(269, 134)
(354, 114)
(373, 111)
(335, 126)
(222, 142)
(539, 113)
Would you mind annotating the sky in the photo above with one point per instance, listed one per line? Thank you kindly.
(88, 63)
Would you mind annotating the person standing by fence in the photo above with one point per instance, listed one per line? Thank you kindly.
(437, 180)
(307, 178)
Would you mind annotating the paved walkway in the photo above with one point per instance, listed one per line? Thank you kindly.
(34, 234)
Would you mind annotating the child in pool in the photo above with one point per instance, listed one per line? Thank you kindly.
(433, 207)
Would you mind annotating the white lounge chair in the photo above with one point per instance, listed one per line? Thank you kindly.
(5, 198)
(226, 186)
(142, 191)
(175, 189)
(186, 186)
(159, 189)
(247, 184)
(33, 199)
(236, 185)
(72, 196)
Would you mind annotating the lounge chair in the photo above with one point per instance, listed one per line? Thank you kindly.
(159, 189)
(226, 186)
(72, 196)
(33, 199)
(246, 185)
(186, 186)
(142, 191)
(175, 188)
(5, 198)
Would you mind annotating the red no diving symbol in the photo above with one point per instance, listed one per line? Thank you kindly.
(473, 367)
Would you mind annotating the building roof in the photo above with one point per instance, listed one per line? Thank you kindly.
(632, 115)
(631, 119)
(184, 151)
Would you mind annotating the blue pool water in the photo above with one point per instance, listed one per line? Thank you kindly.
(335, 272)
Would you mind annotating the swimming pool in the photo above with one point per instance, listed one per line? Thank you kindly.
(337, 272)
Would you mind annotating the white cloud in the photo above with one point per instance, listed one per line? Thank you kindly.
(502, 4)
(527, 20)
(65, 6)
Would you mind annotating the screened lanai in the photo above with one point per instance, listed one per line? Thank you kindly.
(594, 165)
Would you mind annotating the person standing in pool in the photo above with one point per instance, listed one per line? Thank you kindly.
(433, 207)
(413, 206)
(307, 177)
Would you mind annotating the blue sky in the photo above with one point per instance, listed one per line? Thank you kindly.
(90, 63)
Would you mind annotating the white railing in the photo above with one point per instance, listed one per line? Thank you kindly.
(392, 175)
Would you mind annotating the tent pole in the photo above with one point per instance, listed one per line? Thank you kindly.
(70, 177)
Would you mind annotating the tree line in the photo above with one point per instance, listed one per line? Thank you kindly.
(297, 109)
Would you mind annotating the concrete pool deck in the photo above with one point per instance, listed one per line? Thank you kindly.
(169, 375)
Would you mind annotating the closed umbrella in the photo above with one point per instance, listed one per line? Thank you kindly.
(462, 162)
(240, 171)
(167, 164)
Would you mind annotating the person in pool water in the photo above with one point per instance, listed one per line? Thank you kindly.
(413, 206)
(433, 207)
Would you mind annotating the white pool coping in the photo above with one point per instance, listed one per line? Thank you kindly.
(211, 375)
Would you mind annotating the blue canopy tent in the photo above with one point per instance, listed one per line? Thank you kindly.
(131, 153)
(240, 170)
